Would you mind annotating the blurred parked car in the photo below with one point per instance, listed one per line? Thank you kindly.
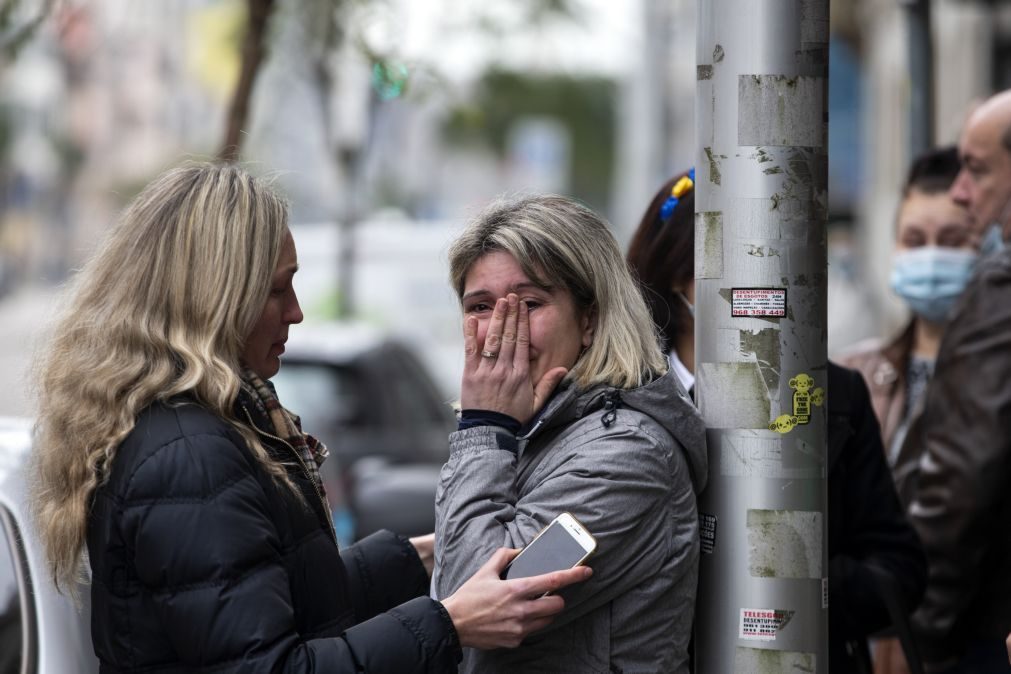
(371, 401)
(41, 631)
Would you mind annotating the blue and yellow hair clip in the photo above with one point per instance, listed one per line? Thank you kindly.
(681, 187)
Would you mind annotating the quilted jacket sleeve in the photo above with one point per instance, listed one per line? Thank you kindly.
(208, 553)
(384, 570)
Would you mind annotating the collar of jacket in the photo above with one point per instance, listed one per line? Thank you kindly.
(663, 399)
(896, 354)
(567, 404)
(244, 404)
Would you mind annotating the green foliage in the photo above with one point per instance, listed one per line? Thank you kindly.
(584, 105)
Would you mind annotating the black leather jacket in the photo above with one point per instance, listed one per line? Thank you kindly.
(202, 561)
(960, 499)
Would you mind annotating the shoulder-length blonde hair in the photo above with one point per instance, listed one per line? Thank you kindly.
(162, 308)
(560, 243)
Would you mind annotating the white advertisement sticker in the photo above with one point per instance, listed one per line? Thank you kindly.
(758, 302)
(762, 624)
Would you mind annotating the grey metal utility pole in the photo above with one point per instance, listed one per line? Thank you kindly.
(760, 334)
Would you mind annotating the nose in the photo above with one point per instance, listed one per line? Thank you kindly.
(959, 191)
(293, 311)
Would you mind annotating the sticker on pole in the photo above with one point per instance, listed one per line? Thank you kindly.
(805, 396)
(707, 532)
(762, 624)
(758, 302)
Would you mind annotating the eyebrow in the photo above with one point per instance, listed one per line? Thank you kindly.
(529, 285)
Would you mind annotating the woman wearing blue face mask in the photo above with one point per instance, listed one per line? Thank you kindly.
(934, 257)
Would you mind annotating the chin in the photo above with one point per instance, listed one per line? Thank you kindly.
(267, 369)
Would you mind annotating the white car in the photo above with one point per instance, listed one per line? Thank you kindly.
(41, 631)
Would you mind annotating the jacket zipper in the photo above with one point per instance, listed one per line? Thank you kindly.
(305, 469)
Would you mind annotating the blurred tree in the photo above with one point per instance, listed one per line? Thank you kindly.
(390, 75)
(254, 50)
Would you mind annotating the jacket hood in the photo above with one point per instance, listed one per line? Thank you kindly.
(663, 399)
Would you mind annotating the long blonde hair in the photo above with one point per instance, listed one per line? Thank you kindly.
(162, 308)
(558, 242)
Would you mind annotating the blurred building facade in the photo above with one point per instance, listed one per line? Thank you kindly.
(101, 99)
(108, 94)
(968, 65)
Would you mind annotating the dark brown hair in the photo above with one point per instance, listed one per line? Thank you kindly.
(933, 171)
(662, 255)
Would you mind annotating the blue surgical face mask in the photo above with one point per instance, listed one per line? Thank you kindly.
(993, 240)
(931, 278)
(691, 307)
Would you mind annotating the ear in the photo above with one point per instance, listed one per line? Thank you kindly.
(588, 326)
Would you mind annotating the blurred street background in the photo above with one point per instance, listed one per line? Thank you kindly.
(388, 122)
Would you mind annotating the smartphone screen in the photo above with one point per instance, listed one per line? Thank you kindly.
(554, 549)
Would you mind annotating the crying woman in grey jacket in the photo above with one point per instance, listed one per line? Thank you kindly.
(568, 407)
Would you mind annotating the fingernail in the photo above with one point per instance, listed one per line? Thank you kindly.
(513, 301)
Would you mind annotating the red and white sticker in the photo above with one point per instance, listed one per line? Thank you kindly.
(762, 624)
(758, 302)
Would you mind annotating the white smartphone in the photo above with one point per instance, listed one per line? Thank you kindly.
(563, 544)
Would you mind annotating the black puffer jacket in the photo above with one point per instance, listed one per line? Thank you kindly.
(202, 562)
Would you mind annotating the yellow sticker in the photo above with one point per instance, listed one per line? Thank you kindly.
(805, 395)
(784, 423)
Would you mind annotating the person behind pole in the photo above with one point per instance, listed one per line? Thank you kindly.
(163, 450)
(662, 255)
(935, 253)
(569, 406)
(870, 540)
(960, 496)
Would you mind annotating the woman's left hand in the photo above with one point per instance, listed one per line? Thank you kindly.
(496, 374)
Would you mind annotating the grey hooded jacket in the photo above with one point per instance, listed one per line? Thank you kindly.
(628, 464)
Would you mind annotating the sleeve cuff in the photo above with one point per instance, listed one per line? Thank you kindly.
(472, 418)
(453, 638)
(431, 625)
(482, 438)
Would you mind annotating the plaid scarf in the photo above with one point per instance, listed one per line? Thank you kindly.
(286, 425)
